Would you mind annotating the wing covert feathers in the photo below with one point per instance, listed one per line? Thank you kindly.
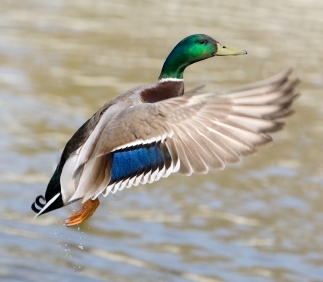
(198, 132)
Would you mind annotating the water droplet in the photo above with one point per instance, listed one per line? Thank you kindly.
(80, 246)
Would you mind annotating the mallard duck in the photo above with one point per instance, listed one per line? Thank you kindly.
(151, 131)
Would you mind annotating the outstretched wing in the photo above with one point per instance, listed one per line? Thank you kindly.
(189, 134)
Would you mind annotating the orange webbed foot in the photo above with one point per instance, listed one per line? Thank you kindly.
(86, 211)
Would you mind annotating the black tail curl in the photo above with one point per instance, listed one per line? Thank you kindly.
(37, 205)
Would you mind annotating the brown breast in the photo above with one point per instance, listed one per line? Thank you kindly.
(162, 90)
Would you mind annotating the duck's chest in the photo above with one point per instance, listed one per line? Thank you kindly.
(164, 89)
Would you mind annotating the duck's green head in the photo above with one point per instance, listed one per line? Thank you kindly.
(192, 49)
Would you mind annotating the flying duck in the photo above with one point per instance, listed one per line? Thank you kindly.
(151, 131)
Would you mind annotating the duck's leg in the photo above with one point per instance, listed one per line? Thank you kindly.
(87, 209)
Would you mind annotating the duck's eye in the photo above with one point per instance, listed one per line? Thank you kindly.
(202, 41)
(224, 47)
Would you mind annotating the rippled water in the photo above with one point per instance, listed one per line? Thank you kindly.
(258, 221)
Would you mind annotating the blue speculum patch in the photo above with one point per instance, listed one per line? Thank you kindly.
(133, 161)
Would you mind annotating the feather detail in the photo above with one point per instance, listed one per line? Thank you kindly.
(188, 134)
